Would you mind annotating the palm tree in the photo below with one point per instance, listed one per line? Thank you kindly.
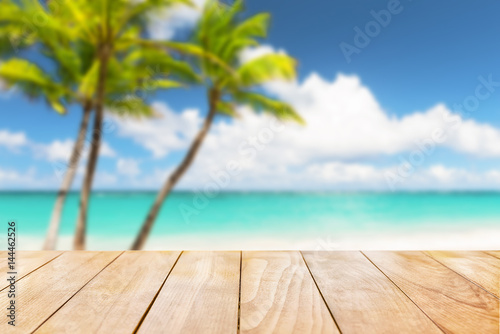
(222, 35)
(55, 43)
(76, 74)
(15, 36)
(107, 27)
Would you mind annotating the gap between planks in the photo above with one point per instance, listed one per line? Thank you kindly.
(34, 263)
(450, 300)
(424, 306)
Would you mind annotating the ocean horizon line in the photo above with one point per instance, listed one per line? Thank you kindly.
(263, 191)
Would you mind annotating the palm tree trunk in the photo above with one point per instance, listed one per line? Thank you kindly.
(81, 224)
(51, 238)
(177, 174)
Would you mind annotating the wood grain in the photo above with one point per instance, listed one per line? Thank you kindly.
(481, 268)
(3, 259)
(116, 299)
(105, 292)
(26, 262)
(453, 302)
(44, 291)
(494, 253)
(200, 296)
(278, 295)
(361, 298)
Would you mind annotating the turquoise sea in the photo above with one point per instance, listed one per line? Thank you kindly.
(237, 220)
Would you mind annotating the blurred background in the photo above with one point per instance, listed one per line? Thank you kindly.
(400, 148)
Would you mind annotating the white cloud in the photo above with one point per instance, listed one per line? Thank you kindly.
(9, 176)
(57, 150)
(258, 51)
(436, 176)
(60, 150)
(345, 123)
(172, 131)
(445, 175)
(32, 178)
(345, 120)
(106, 150)
(128, 167)
(103, 180)
(476, 139)
(440, 176)
(331, 175)
(338, 172)
(13, 140)
(165, 24)
(24, 179)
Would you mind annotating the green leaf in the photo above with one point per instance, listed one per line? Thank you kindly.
(88, 85)
(57, 106)
(259, 102)
(227, 108)
(186, 49)
(255, 26)
(265, 68)
(130, 106)
(19, 70)
(165, 84)
(33, 81)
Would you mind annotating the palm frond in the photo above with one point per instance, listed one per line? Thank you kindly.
(88, 82)
(227, 108)
(165, 84)
(259, 102)
(255, 26)
(161, 63)
(265, 68)
(130, 106)
(17, 70)
(137, 10)
(244, 36)
(31, 79)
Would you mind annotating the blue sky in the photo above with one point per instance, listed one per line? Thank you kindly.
(366, 117)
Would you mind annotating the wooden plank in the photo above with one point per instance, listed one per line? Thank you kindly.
(454, 303)
(26, 262)
(278, 295)
(481, 268)
(45, 290)
(494, 253)
(361, 298)
(3, 258)
(116, 299)
(200, 296)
